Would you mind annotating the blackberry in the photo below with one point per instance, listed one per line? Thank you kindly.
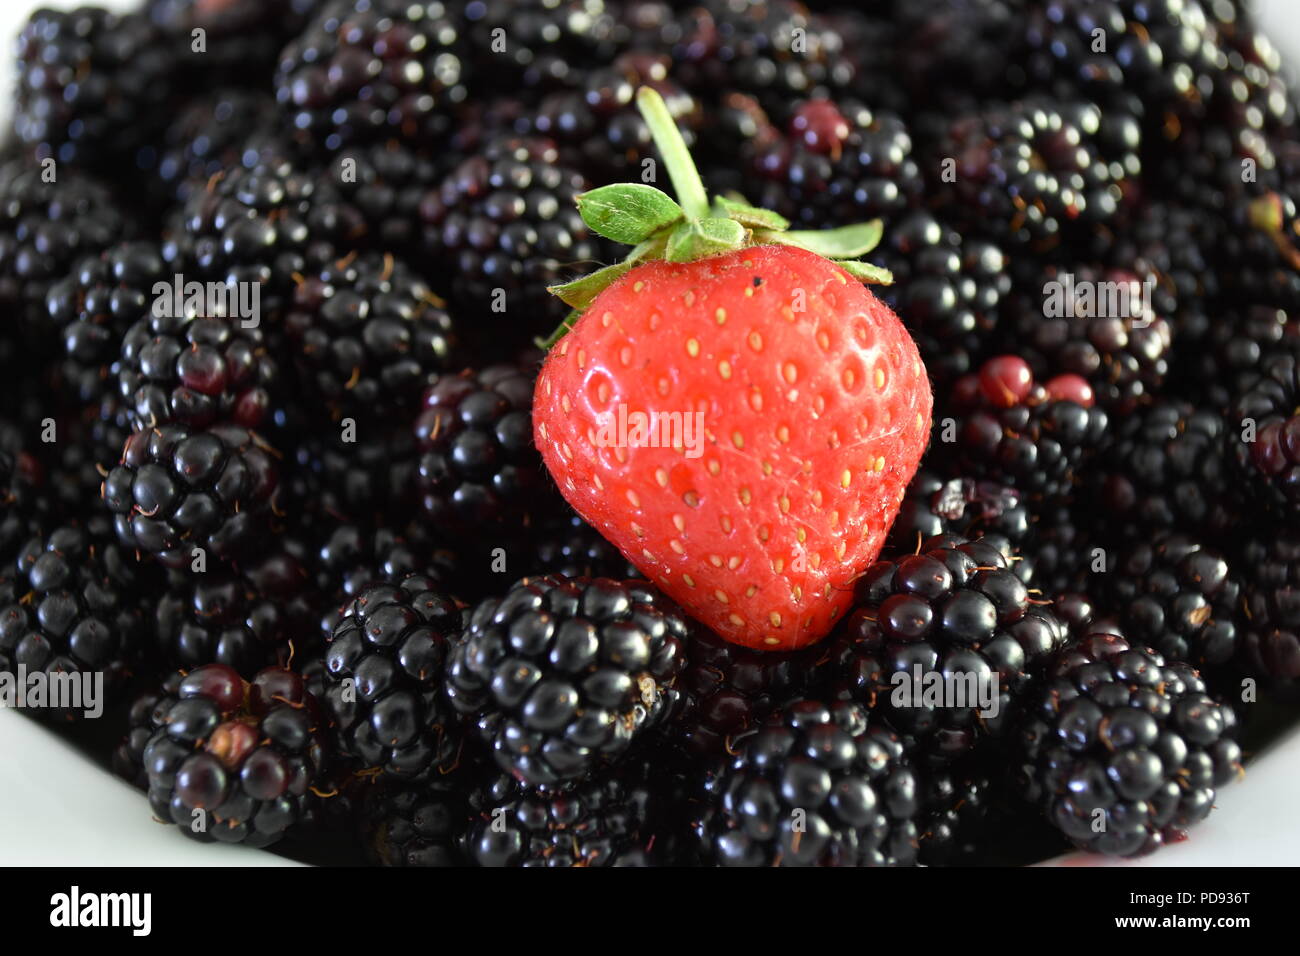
(958, 51)
(947, 289)
(954, 608)
(597, 125)
(1092, 323)
(93, 86)
(816, 785)
(478, 465)
(564, 544)
(1120, 737)
(415, 825)
(46, 227)
(95, 304)
(1178, 597)
(244, 37)
(507, 220)
(1014, 431)
(262, 224)
(370, 336)
(956, 800)
(560, 676)
(1270, 632)
(728, 690)
(1027, 172)
(611, 821)
(220, 618)
(367, 475)
(1239, 348)
(197, 371)
(1061, 551)
(384, 678)
(543, 41)
(178, 488)
(74, 609)
(962, 506)
(386, 183)
(1263, 427)
(840, 163)
(1166, 468)
(234, 762)
(226, 128)
(365, 70)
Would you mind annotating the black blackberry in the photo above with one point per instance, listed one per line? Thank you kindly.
(615, 820)
(1027, 172)
(95, 303)
(957, 800)
(1122, 751)
(221, 618)
(93, 86)
(958, 51)
(262, 224)
(365, 70)
(226, 128)
(197, 371)
(954, 608)
(963, 506)
(370, 336)
(1093, 323)
(243, 37)
(1178, 597)
(74, 609)
(947, 289)
(46, 227)
(1240, 346)
(536, 44)
(728, 690)
(841, 162)
(231, 761)
(562, 543)
(816, 785)
(1014, 431)
(1270, 628)
(384, 678)
(597, 125)
(506, 219)
(478, 465)
(419, 825)
(1264, 436)
(365, 472)
(1063, 549)
(559, 676)
(1166, 467)
(177, 489)
(386, 183)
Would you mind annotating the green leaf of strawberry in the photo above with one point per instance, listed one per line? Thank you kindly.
(628, 212)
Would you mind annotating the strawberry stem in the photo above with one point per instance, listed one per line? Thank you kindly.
(668, 138)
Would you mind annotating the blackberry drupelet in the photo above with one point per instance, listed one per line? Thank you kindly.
(46, 227)
(363, 70)
(220, 618)
(955, 608)
(231, 761)
(419, 825)
(611, 821)
(1014, 431)
(1167, 467)
(95, 303)
(507, 219)
(369, 336)
(816, 785)
(1270, 629)
(948, 290)
(1178, 597)
(384, 678)
(94, 87)
(198, 371)
(1264, 436)
(560, 676)
(74, 609)
(1117, 735)
(478, 465)
(840, 163)
(178, 488)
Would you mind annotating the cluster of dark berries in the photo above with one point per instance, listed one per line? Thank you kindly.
(266, 438)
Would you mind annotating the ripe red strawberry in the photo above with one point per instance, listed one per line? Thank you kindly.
(813, 401)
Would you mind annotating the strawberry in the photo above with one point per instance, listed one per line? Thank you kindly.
(731, 408)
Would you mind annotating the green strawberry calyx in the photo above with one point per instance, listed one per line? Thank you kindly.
(693, 227)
